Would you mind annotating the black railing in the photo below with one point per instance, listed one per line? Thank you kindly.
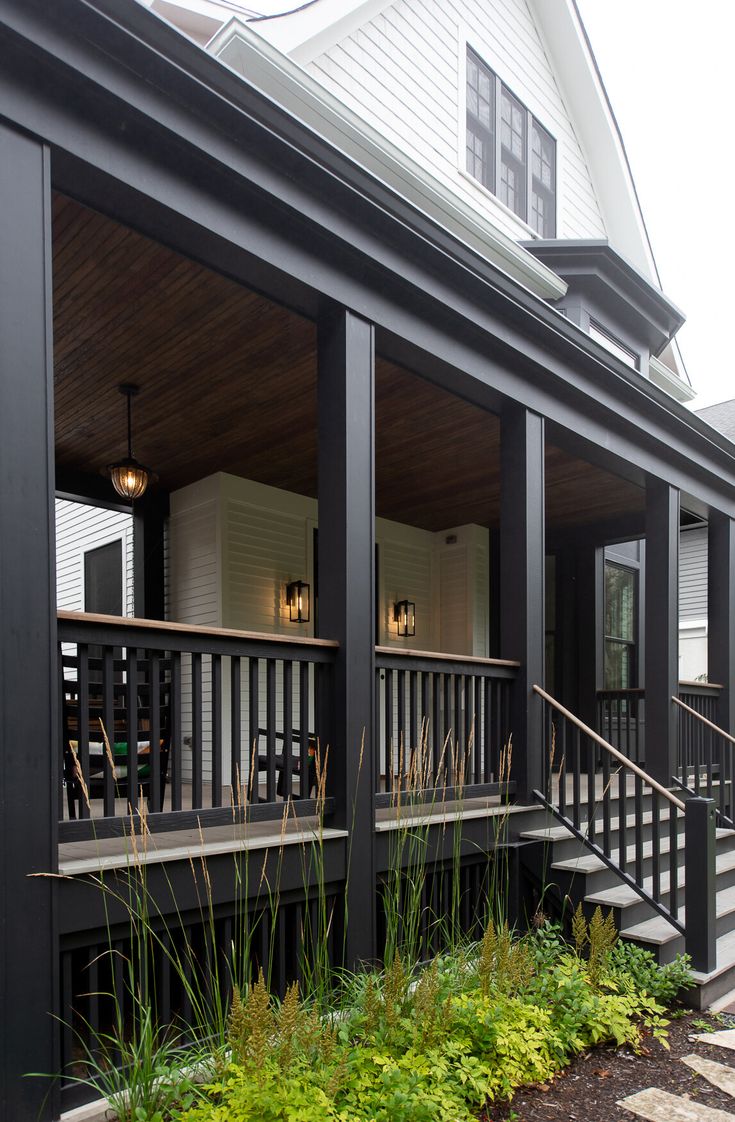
(634, 825)
(186, 720)
(622, 815)
(706, 753)
(443, 722)
(620, 721)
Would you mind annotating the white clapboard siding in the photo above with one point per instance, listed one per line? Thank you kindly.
(194, 599)
(80, 528)
(481, 621)
(454, 599)
(406, 573)
(403, 72)
(693, 574)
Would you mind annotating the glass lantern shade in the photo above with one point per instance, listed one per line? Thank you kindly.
(129, 478)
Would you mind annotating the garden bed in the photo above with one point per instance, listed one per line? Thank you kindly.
(589, 1089)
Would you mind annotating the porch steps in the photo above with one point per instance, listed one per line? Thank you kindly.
(575, 875)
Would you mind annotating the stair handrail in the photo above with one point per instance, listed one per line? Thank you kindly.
(629, 764)
(704, 720)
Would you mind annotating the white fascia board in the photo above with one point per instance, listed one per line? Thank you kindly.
(587, 104)
(305, 34)
(277, 76)
(668, 380)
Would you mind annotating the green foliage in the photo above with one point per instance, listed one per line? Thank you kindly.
(466, 1030)
(646, 976)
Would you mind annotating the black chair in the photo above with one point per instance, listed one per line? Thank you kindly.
(305, 789)
(107, 772)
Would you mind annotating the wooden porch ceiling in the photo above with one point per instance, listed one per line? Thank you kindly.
(228, 383)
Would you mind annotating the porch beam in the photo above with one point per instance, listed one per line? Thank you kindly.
(522, 561)
(661, 614)
(346, 605)
(721, 615)
(28, 696)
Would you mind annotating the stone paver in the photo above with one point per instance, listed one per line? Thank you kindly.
(725, 1038)
(721, 1076)
(660, 1106)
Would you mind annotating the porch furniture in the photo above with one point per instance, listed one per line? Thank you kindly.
(97, 694)
(282, 769)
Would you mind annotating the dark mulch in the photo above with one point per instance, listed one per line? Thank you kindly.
(589, 1089)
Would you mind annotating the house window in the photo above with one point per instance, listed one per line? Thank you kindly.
(613, 345)
(103, 580)
(508, 151)
(621, 613)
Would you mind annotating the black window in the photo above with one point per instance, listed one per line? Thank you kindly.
(621, 616)
(508, 151)
(103, 579)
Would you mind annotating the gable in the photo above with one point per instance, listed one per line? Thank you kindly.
(403, 71)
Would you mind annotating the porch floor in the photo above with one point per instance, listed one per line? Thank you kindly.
(97, 854)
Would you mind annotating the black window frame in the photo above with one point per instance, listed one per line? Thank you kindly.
(501, 158)
(632, 644)
(104, 552)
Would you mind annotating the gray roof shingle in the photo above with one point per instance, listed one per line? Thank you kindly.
(720, 416)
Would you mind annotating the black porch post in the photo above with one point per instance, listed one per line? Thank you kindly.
(661, 627)
(590, 619)
(721, 615)
(149, 518)
(346, 397)
(522, 560)
(28, 727)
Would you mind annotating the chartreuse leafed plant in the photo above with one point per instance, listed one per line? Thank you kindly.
(443, 1041)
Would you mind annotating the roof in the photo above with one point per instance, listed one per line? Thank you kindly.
(720, 416)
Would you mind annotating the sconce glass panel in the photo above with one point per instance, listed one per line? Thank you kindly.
(404, 614)
(298, 596)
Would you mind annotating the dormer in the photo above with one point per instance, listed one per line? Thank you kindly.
(611, 300)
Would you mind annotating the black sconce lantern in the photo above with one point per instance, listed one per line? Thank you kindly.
(298, 595)
(404, 614)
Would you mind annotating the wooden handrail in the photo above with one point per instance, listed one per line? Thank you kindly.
(613, 751)
(507, 662)
(194, 629)
(700, 685)
(704, 720)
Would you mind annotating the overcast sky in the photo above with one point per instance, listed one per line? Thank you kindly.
(669, 70)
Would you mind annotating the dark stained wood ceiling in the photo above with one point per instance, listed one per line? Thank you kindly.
(228, 383)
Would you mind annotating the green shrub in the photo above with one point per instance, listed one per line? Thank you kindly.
(644, 974)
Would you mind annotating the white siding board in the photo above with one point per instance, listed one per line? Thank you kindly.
(79, 528)
(693, 574)
(401, 72)
(406, 574)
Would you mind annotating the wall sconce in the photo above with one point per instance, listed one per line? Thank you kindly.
(298, 597)
(404, 614)
(129, 478)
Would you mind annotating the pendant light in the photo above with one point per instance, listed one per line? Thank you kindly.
(129, 478)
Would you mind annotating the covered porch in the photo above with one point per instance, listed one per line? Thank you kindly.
(313, 353)
(213, 698)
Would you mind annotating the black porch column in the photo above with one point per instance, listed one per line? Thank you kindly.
(28, 727)
(522, 561)
(346, 402)
(661, 627)
(721, 614)
(590, 620)
(149, 518)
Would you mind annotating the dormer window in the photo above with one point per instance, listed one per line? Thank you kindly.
(508, 151)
